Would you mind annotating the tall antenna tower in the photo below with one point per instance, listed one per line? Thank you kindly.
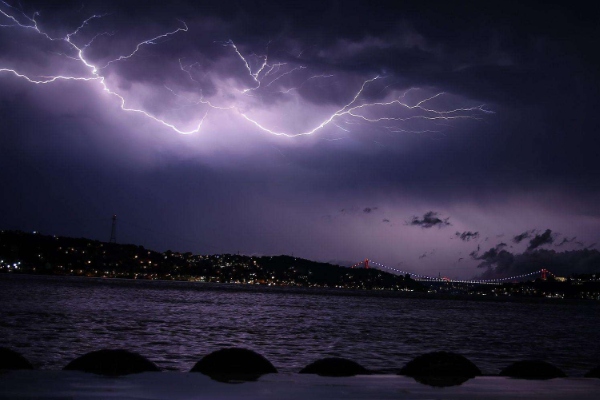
(113, 231)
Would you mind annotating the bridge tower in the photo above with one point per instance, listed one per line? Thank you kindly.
(113, 231)
(366, 263)
(544, 274)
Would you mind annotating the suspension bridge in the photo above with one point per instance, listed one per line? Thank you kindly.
(367, 263)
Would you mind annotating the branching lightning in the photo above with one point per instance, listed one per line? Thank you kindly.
(93, 69)
(188, 70)
(253, 75)
(354, 110)
(144, 43)
(351, 109)
(288, 90)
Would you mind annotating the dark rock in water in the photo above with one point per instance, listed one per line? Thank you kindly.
(532, 370)
(441, 369)
(11, 360)
(112, 363)
(234, 365)
(335, 367)
(594, 373)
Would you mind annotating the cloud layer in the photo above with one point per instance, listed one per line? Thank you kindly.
(247, 71)
(429, 220)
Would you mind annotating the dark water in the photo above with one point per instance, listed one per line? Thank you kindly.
(52, 320)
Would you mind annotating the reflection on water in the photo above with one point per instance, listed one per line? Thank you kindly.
(53, 320)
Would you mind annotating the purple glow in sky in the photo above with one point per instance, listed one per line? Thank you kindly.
(402, 137)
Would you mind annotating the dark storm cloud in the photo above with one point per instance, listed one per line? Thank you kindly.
(479, 58)
(492, 57)
(523, 236)
(503, 263)
(491, 254)
(541, 240)
(368, 210)
(385, 220)
(467, 235)
(475, 253)
(566, 241)
(495, 256)
(429, 220)
(503, 54)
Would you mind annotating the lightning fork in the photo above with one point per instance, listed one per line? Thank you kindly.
(350, 110)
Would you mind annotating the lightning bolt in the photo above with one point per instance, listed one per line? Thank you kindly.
(273, 69)
(144, 43)
(48, 79)
(306, 80)
(284, 74)
(200, 101)
(94, 69)
(188, 70)
(353, 110)
(254, 75)
(349, 110)
(88, 44)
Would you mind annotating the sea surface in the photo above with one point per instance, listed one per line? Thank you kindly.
(52, 320)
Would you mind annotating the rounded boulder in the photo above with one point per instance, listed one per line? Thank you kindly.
(112, 363)
(335, 367)
(532, 369)
(11, 360)
(441, 368)
(234, 364)
(594, 373)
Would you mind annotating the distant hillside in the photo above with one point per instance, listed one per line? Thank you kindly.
(35, 253)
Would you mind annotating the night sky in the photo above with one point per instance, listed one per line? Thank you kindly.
(459, 140)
